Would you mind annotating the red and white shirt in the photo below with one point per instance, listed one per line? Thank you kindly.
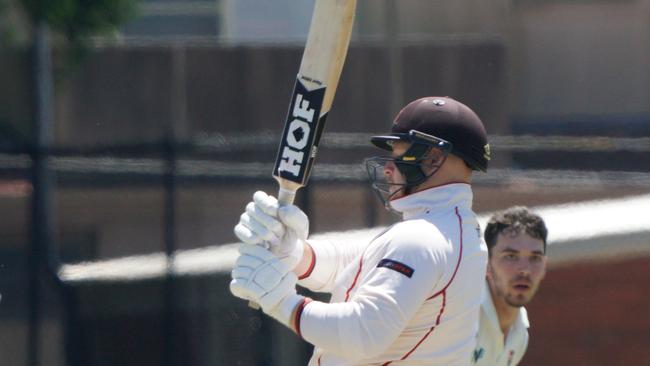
(491, 347)
(409, 297)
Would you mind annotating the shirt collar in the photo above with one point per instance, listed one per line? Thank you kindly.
(445, 196)
(489, 309)
(522, 319)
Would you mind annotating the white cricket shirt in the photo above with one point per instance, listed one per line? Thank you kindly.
(491, 349)
(409, 297)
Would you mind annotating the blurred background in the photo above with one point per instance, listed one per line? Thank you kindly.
(133, 133)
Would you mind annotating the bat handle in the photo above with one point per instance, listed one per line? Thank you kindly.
(285, 197)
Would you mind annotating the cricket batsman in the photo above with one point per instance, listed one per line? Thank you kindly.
(410, 296)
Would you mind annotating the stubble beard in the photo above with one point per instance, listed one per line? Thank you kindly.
(514, 300)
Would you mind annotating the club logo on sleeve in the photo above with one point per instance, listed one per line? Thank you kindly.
(396, 266)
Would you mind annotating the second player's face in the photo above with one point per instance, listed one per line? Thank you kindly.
(393, 175)
(516, 267)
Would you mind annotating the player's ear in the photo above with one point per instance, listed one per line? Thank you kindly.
(434, 157)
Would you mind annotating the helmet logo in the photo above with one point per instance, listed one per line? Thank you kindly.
(438, 102)
(486, 152)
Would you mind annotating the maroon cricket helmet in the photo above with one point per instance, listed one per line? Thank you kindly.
(444, 118)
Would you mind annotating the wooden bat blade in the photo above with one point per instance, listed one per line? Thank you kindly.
(327, 45)
(318, 77)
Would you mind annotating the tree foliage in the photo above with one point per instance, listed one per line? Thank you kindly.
(79, 19)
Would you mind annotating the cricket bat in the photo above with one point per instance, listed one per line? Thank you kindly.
(313, 94)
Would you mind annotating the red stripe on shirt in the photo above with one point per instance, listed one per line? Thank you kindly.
(442, 310)
(460, 256)
(443, 292)
(356, 277)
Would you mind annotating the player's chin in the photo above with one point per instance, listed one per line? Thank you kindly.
(517, 302)
(519, 299)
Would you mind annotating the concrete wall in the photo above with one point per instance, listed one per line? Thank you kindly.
(580, 58)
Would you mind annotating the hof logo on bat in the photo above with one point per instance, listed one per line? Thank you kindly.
(301, 134)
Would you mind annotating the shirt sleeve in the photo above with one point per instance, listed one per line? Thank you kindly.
(329, 259)
(387, 298)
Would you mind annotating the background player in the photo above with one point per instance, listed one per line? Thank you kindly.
(516, 240)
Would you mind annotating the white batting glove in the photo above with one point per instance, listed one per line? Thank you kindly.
(261, 277)
(281, 229)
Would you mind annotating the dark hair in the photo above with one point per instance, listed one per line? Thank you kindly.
(515, 220)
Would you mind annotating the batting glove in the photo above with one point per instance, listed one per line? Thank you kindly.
(261, 277)
(283, 230)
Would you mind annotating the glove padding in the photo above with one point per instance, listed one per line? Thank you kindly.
(283, 230)
(261, 277)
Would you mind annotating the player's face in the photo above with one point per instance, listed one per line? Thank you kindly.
(516, 267)
(393, 175)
